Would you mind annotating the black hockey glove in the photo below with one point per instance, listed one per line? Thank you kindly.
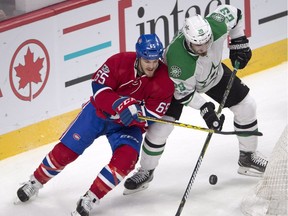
(210, 117)
(240, 51)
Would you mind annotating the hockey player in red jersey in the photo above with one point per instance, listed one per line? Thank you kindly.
(127, 84)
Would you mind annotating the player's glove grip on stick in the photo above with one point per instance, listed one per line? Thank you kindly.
(208, 113)
(240, 51)
(128, 109)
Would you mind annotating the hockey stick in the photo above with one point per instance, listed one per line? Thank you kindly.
(200, 158)
(240, 133)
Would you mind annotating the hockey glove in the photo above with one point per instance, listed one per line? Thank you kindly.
(128, 109)
(208, 114)
(240, 51)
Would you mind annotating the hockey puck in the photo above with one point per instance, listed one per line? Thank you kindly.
(213, 179)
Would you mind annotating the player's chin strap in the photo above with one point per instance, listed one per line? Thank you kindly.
(136, 66)
(179, 124)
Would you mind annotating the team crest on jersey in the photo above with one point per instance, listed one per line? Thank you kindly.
(76, 136)
(175, 71)
(218, 17)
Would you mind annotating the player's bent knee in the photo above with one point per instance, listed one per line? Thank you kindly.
(245, 111)
(158, 132)
(124, 159)
(62, 154)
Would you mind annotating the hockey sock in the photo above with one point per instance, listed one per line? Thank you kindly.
(247, 143)
(121, 164)
(54, 162)
(151, 154)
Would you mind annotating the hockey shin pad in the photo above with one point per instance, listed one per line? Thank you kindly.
(121, 164)
(54, 162)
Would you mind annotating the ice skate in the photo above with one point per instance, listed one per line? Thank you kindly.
(85, 204)
(138, 182)
(251, 164)
(28, 190)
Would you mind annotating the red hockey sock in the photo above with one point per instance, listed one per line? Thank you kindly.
(121, 164)
(54, 162)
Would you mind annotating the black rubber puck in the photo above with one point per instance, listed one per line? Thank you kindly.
(213, 179)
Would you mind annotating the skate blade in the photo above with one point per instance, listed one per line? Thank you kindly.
(75, 213)
(249, 172)
(128, 191)
(17, 201)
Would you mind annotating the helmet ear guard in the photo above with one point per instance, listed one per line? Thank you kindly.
(197, 30)
(149, 47)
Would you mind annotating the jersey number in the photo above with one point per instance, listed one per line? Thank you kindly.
(226, 12)
(101, 75)
(180, 87)
(163, 107)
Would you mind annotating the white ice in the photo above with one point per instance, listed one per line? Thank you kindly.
(163, 197)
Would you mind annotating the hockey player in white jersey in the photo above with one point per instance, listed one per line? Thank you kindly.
(194, 63)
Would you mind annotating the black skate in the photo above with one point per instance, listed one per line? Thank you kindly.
(251, 164)
(85, 204)
(138, 182)
(28, 190)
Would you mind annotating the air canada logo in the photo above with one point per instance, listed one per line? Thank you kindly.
(29, 70)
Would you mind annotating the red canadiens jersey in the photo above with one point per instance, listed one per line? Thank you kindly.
(118, 77)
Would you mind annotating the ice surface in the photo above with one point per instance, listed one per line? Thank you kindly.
(163, 197)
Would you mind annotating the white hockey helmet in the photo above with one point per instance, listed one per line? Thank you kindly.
(196, 30)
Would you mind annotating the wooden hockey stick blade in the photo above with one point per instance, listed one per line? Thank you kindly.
(179, 124)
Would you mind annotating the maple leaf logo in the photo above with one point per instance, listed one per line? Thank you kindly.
(29, 72)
